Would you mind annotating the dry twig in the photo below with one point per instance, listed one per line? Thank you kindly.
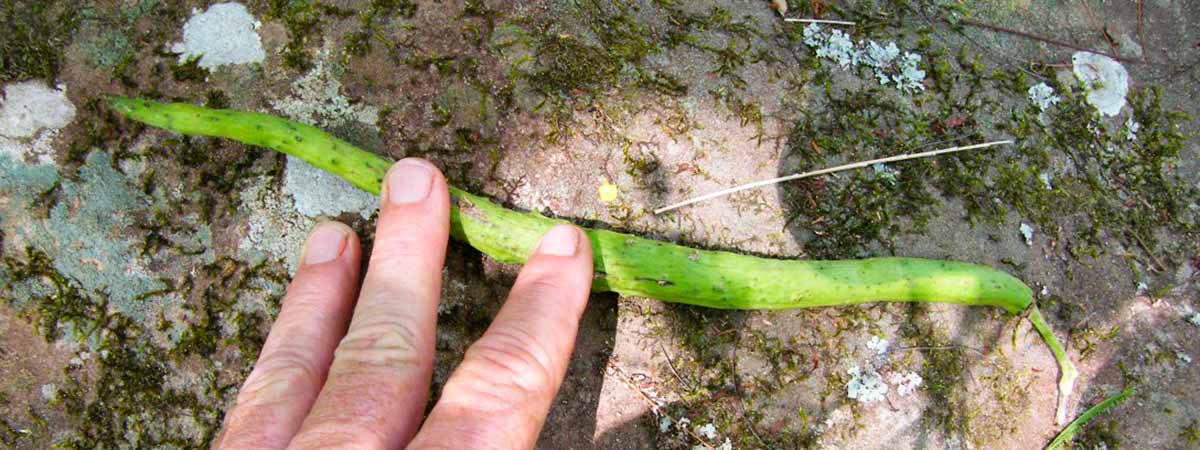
(860, 164)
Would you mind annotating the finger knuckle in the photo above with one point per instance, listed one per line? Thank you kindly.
(545, 287)
(484, 436)
(311, 292)
(281, 375)
(338, 434)
(381, 343)
(514, 363)
(406, 244)
(236, 436)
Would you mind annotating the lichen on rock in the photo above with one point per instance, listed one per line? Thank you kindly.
(31, 115)
(86, 229)
(225, 33)
(1104, 78)
(276, 230)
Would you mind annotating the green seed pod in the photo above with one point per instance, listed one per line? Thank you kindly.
(632, 265)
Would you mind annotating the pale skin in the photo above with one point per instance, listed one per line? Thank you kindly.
(348, 365)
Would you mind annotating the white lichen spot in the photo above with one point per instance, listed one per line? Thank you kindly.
(707, 431)
(879, 58)
(1045, 178)
(317, 99)
(885, 61)
(1027, 233)
(878, 345)
(1104, 78)
(1131, 129)
(814, 35)
(906, 383)
(316, 192)
(49, 392)
(1183, 358)
(839, 48)
(884, 172)
(866, 387)
(275, 228)
(225, 33)
(910, 78)
(664, 424)
(1042, 96)
(1195, 319)
(31, 115)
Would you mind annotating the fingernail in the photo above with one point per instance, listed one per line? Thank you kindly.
(562, 240)
(325, 244)
(409, 181)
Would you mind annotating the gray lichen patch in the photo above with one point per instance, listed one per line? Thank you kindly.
(223, 34)
(276, 230)
(316, 192)
(84, 223)
(317, 98)
(31, 115)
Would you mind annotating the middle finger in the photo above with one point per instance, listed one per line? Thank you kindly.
(379, 381)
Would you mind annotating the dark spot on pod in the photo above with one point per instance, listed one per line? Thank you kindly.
(212, 118)
(258, 126)
(289, 126)
(298, 138)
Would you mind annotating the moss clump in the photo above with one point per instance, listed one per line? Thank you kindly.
(133, 396)
(302, 18)
(65, 307)
(1190, 435)
(943, 371)
(859, 210)
(1100, 434)
(35, 35)
(359, 42)
(189, 70)
(1069, 170)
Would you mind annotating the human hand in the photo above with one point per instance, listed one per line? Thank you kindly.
(318, 383)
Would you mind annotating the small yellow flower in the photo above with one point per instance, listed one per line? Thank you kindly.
(608, 192)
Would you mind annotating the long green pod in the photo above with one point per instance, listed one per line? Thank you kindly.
(625, 263)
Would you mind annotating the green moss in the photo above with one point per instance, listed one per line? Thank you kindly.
(359, 43)
(111, 50)
(109, 406)
(1088, 339)
(302, 19)
(943, 372)
(189, 70)
(855, 211)
(35, 35)
(1130, 190)
(1190, 435)
(1100, 434)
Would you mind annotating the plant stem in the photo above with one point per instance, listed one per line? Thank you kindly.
(1066, 369)
(1071, 430)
